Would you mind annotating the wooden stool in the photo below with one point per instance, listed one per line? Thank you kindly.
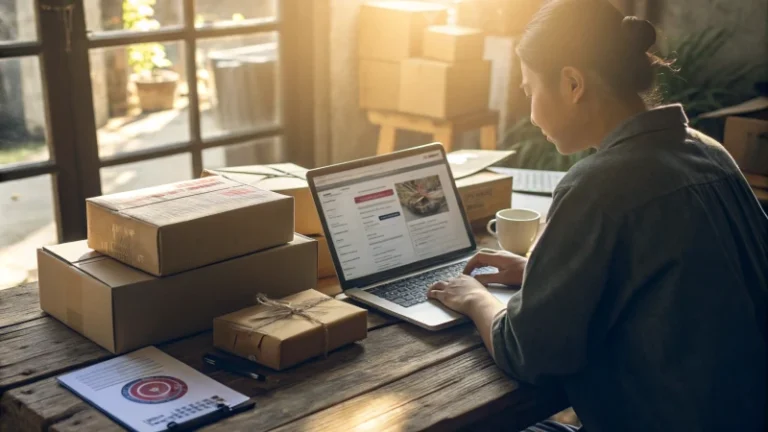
(444, 131)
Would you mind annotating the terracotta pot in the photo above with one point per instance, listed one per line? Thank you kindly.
(157, 93)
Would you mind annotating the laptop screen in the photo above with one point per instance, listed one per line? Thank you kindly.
(392, 214)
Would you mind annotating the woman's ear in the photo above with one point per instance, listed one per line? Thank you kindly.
(572, 84)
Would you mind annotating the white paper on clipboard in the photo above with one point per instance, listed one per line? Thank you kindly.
(148, 389)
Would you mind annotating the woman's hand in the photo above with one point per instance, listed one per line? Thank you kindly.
(464, 294)
(511, 267)
(467, 296)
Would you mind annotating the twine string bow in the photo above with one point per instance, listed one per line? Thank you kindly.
(281, 310)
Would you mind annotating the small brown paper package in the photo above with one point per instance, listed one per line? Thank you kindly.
(282, 333)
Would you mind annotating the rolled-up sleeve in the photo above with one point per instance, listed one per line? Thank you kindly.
(548, 325)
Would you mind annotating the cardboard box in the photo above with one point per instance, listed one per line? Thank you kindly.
(497, 17)
(266, 335)
(747, 141)
(483, 194)
(180, 226)
(393, 30)
(745, 134)
(379, 85)
(325, 266)
(453, 43)
(444, 90)
(286, 179)
(757, 181)
(122, 309)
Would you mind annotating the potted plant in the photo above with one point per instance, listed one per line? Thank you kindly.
(155, 83)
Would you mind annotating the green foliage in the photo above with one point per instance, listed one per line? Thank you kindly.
(145, 59)
(24, 151)
(534, 151)
(699, 86)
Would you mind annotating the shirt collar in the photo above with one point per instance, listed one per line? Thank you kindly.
(665, 117)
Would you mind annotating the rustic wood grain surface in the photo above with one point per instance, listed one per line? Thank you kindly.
(19, 304)
(400, 378)
(41, 348)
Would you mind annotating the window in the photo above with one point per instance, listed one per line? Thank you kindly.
(101, 96)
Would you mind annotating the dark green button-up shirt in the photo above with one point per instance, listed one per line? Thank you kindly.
(646, 295)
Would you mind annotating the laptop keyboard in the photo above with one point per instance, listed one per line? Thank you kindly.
(412, 291)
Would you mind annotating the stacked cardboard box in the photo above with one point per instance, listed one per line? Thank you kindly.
(161, 263)
(745, 138)
(411, 62)
(287, 179)
(284, 178)
(497, 17)
(483, 192)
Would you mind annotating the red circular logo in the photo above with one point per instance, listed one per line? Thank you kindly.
(154, 390)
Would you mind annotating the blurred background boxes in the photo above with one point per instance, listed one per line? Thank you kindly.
(747, 141)
(393, 30)
(453, 43)
(483, 194)
(379, 84)
(411, 62)
(746, 133)
(443, 90)
(497, 17)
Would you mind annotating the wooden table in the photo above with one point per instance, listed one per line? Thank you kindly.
(400, 378)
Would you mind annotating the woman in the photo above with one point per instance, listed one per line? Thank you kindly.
(645, 298)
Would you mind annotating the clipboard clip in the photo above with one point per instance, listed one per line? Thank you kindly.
(222, 411)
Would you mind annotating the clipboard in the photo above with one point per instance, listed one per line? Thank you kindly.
(150, 391)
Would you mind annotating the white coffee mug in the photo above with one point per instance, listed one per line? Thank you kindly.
(515, 229)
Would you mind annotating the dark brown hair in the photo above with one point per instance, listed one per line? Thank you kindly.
(594, 36)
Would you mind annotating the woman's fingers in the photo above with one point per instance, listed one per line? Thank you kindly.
(481, 259)
(436, 294)
(439, 285)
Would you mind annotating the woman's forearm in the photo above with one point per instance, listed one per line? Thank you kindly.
(483, 315)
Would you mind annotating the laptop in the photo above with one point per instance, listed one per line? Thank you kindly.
(395, 225)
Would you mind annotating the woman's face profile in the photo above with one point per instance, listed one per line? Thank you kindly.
(554, 108)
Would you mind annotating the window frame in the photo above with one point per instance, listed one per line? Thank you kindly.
(74, 163)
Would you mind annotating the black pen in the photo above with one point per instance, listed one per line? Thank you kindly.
(233, 366)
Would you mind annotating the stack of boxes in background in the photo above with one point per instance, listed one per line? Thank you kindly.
(412, 62)
(497, 17)
(163, 262)
(746, 139)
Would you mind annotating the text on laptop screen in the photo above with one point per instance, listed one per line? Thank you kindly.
(391, 214)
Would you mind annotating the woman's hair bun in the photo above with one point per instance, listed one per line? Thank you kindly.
(639, 33)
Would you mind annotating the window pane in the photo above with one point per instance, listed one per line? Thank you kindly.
(220, 13)
(22, 112)
(265, 151)
(121, 178)
(139, 96)
(27, 223)
(18, 21)
(132, 15)
(239, 83)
